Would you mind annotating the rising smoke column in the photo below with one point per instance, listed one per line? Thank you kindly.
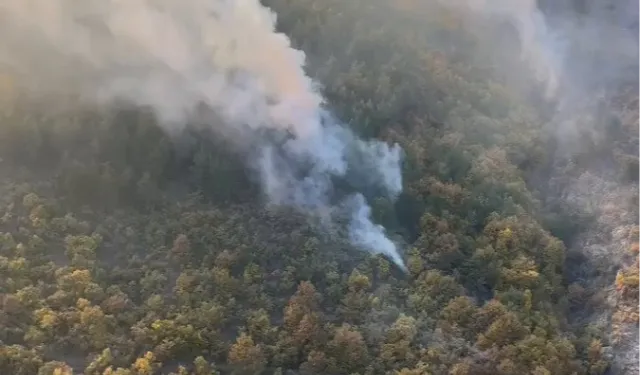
(539, 48)
(174, 55)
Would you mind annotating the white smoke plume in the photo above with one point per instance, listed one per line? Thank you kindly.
(174, 56)
(539, 48)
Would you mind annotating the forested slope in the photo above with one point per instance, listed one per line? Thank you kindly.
(127, 250)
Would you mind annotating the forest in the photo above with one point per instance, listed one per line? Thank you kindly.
(127, 250)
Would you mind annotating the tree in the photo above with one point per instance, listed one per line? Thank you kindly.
(245, 356)
(181, 247)
(459, 311)
(55, 368)
(202, 367)
(357, 300)
(145, 365)
(100, 363)
(18, 360)
(302, 324)
(348, 349)
(259, 325)
(396, 349)
(317, 363)
(504, 330)
(81, 250)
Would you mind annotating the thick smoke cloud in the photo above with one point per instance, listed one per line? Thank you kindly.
(174, 56)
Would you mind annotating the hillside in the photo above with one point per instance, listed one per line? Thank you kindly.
(129, 249)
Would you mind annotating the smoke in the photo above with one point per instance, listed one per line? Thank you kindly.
(572, 47)
(585, 53)
(175, 56)
(584, 56)
(539, 48)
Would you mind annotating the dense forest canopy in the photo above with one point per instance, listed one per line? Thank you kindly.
(135, 240)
